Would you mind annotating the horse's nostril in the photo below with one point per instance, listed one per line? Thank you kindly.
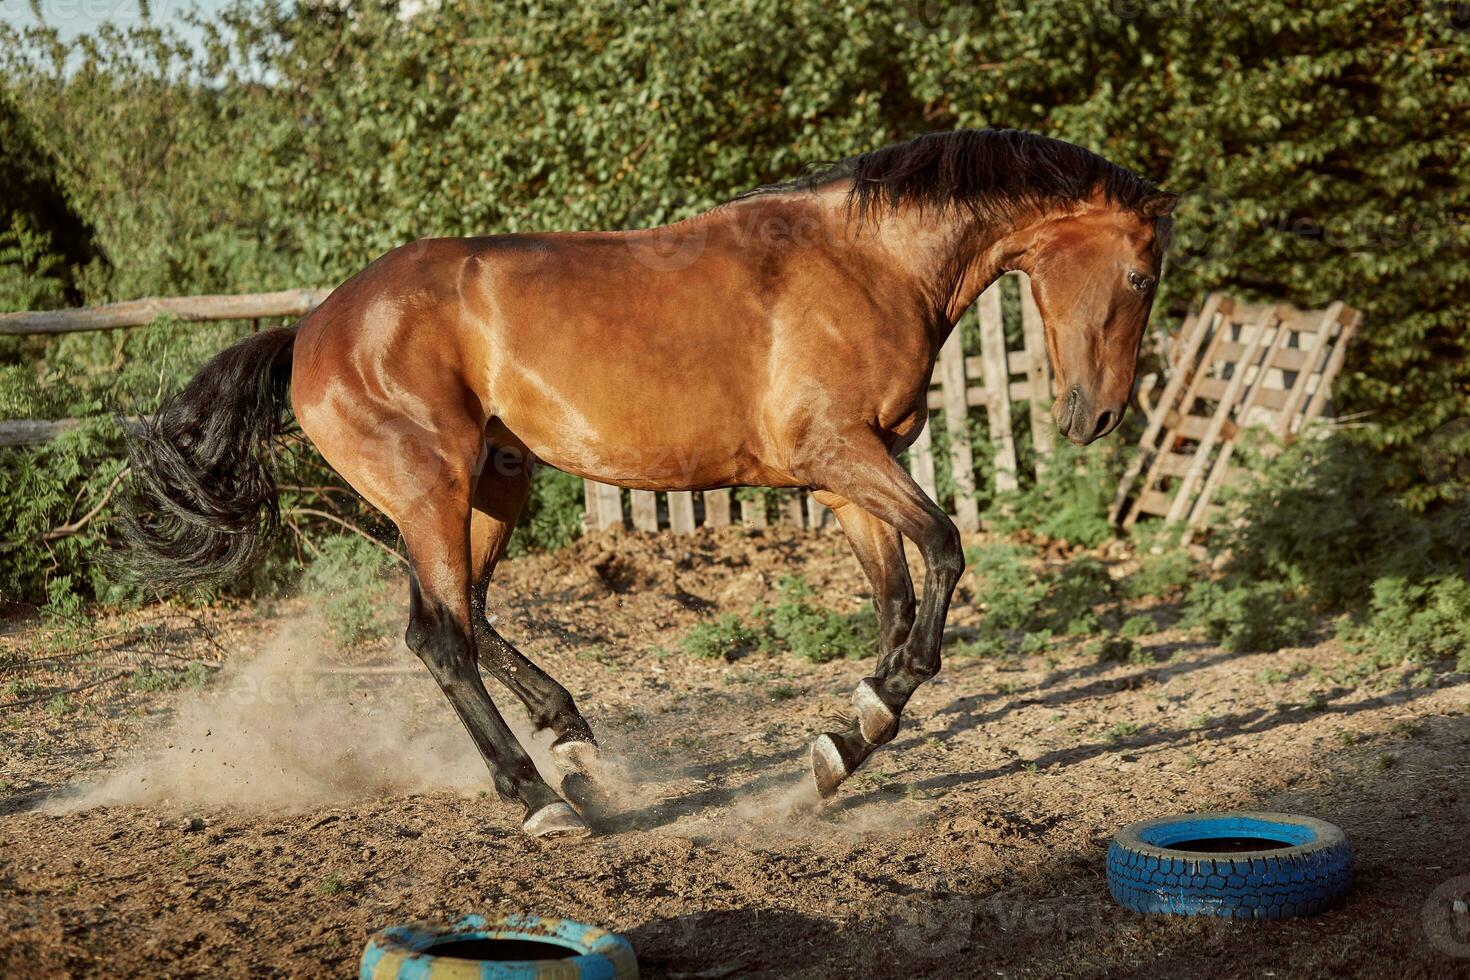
(1104, 423)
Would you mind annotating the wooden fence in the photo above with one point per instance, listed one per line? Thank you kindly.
(993, 378)
(1235, 365)
(138, 313)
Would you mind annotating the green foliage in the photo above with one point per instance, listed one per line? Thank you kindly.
(1016, 594)
(1119, 649)
(553, 514)
(1323, 529)
(1250, 617)
(1164, 574)
(724, 638)
(1007, 585)
(348, 573)
(31, 276)
(151, 679)
(1074, 594)
(1414, 622)
(1136, 626)
(813, 633)
(1070, 502)
(791, 625)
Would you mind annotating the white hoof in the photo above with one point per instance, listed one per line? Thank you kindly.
(878, 722)
(556, 820)
(575, 756)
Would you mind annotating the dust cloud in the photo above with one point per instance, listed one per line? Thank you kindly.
(286, 729)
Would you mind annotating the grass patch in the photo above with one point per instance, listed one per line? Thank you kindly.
(152, 679)
(792, 624)
(724, 638)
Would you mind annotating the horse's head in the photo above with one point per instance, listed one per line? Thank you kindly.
(1093, 273)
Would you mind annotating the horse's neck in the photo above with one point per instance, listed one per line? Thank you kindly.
(950, 257)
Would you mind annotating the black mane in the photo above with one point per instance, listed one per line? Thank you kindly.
(990, 172)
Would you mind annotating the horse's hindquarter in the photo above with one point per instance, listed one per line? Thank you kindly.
(614, 368)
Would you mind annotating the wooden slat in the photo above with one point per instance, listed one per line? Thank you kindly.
(1184, 495)
(589, 506)
(1216, 476)
(1189, 344)
(790, 512)
(609, 506)
(753, 512)
(645, 509)
(1334, 365)
(957, 424)
(1221, 318)
(1153, 502)
(1191, 427)
(1038, 376)
(717, 508)
(993, 353)
(1174, 464)
(1329, 327)
(816, 514)
(681, 512)
(34, 432)
(1285, 358)
(139, 312)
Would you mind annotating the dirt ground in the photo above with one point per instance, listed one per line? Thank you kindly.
(267, 822)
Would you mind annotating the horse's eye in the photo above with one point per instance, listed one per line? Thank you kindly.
(1139, 281)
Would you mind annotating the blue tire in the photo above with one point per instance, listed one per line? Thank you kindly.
(1191, 865)
(407, 952)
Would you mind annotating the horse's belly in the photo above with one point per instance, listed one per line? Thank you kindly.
(647, 449)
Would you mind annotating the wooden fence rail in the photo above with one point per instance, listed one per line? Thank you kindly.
(140, 312)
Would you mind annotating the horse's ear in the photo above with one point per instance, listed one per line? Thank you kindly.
(1158, 204)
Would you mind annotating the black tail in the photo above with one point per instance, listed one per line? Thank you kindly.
(202, 506)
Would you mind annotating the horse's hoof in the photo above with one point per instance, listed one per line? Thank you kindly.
(575, 755)
(828, 767)
(556, 820)
(876, 720)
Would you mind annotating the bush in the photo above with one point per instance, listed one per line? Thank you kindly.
(813, 633)
(1017, 595)
(1325, 528)
(348, 571)
(1250, 618)
(1070, 502)
(791, 625)
(1007, 586)
(725, 638)
(1413, 623)
(1074, 595)
(1163, 574)
(1119, 649)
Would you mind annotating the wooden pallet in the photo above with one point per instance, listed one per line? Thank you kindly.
(1235, 365)
(993, 379)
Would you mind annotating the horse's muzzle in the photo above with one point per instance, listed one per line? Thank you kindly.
(1081, 421)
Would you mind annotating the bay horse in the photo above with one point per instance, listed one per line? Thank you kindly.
(783, 339)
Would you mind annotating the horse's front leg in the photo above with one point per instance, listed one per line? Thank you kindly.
(874, 490)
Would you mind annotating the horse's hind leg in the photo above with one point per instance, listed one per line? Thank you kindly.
(499, 497)
(422, 479)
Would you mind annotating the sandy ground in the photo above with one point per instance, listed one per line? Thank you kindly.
(267, 822)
